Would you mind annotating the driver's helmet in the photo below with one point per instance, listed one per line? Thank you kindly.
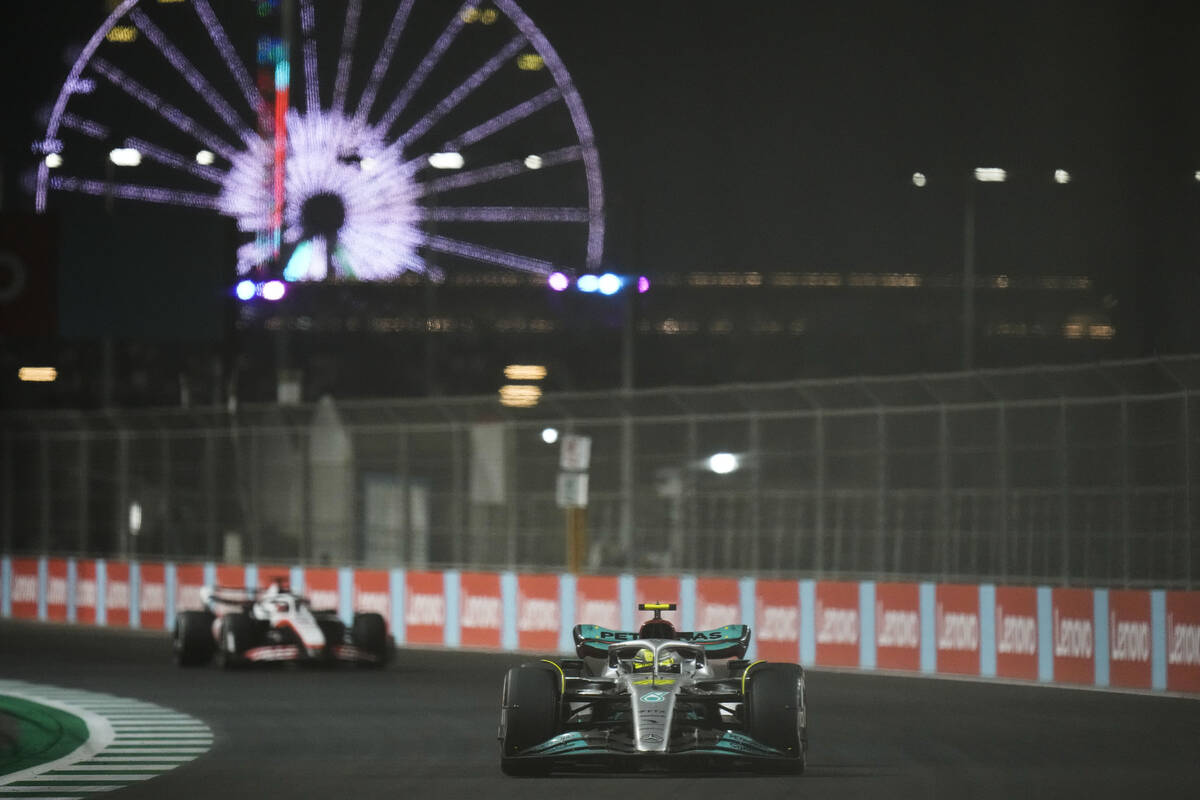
(644, 661)
(657, 629)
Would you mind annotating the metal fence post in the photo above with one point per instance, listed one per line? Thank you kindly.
(1002, 487)
(458, 494)
(1187, 488)
(82, 516)
(692, 515)
(880, 490)
(1125, 532)
(819, 489)
(944, 486)
(122, 522)
(168, 530)
(7, 492)
(210, 494)
(756, 468)
(44, 477)
(1064, 490)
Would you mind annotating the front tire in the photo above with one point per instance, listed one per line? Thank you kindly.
(235, 637)
(192, 638)
(776, 713)
(368, 632)
(528, 716)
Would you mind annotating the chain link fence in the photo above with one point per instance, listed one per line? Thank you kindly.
(1067, 475)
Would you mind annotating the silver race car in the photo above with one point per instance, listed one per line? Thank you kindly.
(245, 626)
(654, 699)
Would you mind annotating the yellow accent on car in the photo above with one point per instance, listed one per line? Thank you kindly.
(749, 667)
(562, 678)
(656, 606)
(654, 682)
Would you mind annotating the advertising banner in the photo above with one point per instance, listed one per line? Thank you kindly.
(1073, 635)
(718, 603)
(1183, 641)
(372, 593)
(655, 589)
(24, 589)
(231, 576)
(56, 589)
(898, 626)
(1016, 632)
(776, 626)
(86, 592)
(837, 623)
(539, 615)
(189, 580)
(598, 601)
(321, 588)
(152, 596)
(267, 573)
(1130, 641)
(424, 608)
(480, 609)
(956, 628)
(117, 594)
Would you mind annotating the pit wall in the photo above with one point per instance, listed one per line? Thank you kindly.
(1129, 639)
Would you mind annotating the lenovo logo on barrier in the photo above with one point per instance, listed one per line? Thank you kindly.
(376, 602)
(1130, 640)
(425, 609)
(957, 631)
(482, 611)
(1073, 638)
(837, 625)
(1017, 634)
(897, 628)
(24, 589)
(56, 592)
(779, 624)
(154, 597)
(537, 614)
(591, 610)
(1183, 643)
(714, 615)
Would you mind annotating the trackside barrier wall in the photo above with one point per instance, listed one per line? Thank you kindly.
(1130, 639)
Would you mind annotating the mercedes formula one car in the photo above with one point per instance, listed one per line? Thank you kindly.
(245, 626)
(654, 699)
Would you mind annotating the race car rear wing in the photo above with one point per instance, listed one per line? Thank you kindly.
(728, 641)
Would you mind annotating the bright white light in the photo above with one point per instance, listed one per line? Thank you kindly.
(533, 162)
(550, 435)
(609, 283)
(558, 281)
(135, 518)
(990, 175)
(1195, 174)
(205, 158)
(246, 290)
(919, 179)
(125, 157)
(723, 463)
(273, 290)
(588, 283)
(1062, 176)
(369, 164)
(37, 374)
(446, 160)
(53, 161)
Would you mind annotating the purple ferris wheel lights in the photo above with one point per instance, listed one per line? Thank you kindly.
(421, 73)
(558, 281)
(504, 119)
(236, 67)
(383, 62)
(346, 56)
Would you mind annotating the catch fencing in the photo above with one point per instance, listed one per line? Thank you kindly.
(1081, 475)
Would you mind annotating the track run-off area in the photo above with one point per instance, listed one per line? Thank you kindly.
(427, 723)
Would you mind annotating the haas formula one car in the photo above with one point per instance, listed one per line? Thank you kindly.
(655, 698)
(246, 626)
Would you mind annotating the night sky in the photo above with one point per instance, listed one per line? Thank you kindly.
(782, 136)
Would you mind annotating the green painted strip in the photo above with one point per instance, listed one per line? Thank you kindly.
(32, 734)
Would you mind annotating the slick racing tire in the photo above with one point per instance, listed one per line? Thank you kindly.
(528, 716)
(775, 711)
(369, 632)
(334, 631)
(235, 637)
(192, 638)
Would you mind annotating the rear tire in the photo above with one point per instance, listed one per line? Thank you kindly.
(192, 638)
(528, 716)
(235, 637)
(775, 711)
(369, 633)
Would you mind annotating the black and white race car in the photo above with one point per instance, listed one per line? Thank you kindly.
(657, 699)
(245, 626)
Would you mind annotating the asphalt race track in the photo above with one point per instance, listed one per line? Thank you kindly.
(427, 725)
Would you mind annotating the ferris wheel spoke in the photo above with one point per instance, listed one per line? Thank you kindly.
(233, 63)
(171, 159)
(462, 92)
(130, 191)
(499, 171)
(505, 214)
(117, 77)
(426, 66)
(346, 56)
(504, 119)
(190, 74)
(88, 127)
(383, 61)
(312, 81)
(490, 255)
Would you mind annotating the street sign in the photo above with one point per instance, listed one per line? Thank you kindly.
(572, 490)
(576, 453)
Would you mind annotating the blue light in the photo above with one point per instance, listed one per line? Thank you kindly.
(609, 283)
(246, 290)
(588, 283)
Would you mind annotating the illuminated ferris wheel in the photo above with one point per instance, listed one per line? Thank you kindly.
(410, 136)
